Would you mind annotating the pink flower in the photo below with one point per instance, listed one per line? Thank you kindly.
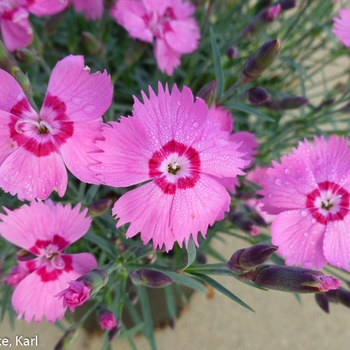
(76, 294)
(309, 193)
(107, 320)
(168, 21)
(93, 9)
(34, 148)
(171, 142)
(45, 229)
(16, 275)
(341, 26)
(15, 27)
(247, 141)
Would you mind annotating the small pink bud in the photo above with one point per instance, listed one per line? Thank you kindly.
(107, 320)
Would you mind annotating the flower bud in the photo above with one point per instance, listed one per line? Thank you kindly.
(287, 4)
(292, 102)
(208, 92)
(92, 44)
(265, 16)
(106, 319)
(16, 275)
(82, 288)
(322, 301)
(257, 95)
(232, 52)
(26, 56)
(250, 258)
(67, 338)
(115, 330)
(99, 207)
(245, 224)
(261, 60)
(290, 279)
(150, 278)
(53, 22)
(340, 295)
(109, 3)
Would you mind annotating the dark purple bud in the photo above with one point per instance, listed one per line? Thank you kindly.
(134, 296)
(340, 295)
(232, 52)
(115, 330)
(99, 207)
(322, 301)
(250, 258)
(270, 14)
(171, 323)
(292, 102)
(108, 3)
(257, 95)
(287, 4)
(290, 279)
(261, 60)
(92, 44)
(201, 258)
(150, 278)
(245, 224)
(208, 92)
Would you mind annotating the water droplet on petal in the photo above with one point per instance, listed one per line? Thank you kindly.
(195, 124)
(303, 213)
(287, 171)
(278, 182)
(76, 100)
(89, 109)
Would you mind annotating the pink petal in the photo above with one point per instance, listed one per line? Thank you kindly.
(46, 7)
(195, 208)
(126, 153)
(10, 91)
(336, 245)
(326, 156)
(184, 36)
(55, 220)
(248, 144)
(220, 115)
(69, 222)
(287, 185)
(76, 150)
(31, 177)
(167, 219)
(7, 145)
(86, 96)
(300, 238)
(167, 59)
(157, 6)
(147, 209)
(93, 9)
(182, 9)
(17, 32)
(341, 28)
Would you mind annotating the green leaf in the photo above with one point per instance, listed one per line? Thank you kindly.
(216, 285)
(90, 194)
(186, 280)
(130, 332)
(170, 301)
(191, 252)
(219, 74)
(148, 329)
(249, 110)
(103, 243)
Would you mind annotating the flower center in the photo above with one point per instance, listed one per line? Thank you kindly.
(328, 202)
(175, 166)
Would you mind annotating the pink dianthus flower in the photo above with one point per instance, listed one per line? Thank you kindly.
(45, 230)
(341, 26)
(16, 275)
(15, 27)
(168, 21)
(107, 320)
(171, 143)
(35, 147)
(309, 193)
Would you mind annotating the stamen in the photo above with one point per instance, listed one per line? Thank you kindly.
(24, 121)
(173, 168)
